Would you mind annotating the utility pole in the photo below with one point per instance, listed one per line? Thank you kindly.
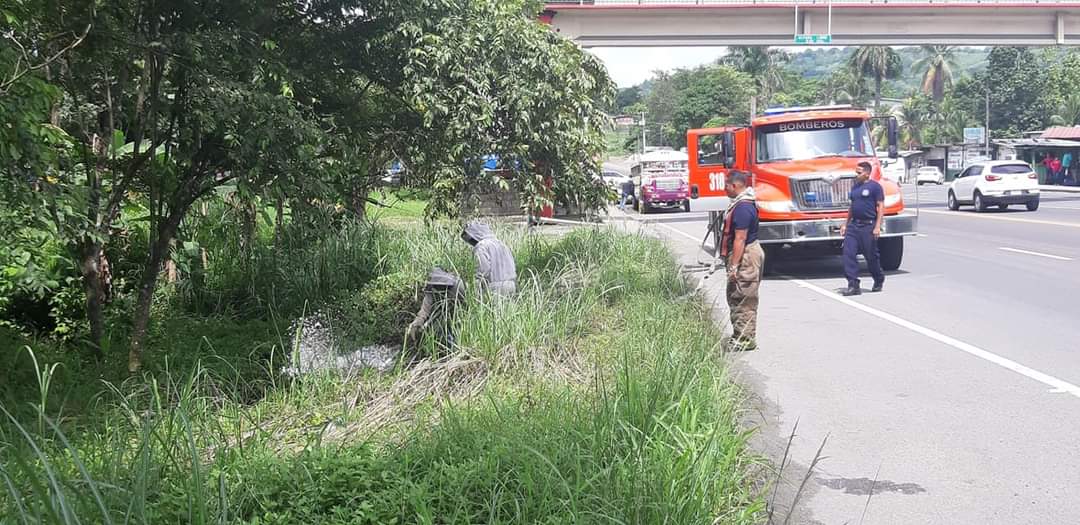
(987, 145)
(642, 132)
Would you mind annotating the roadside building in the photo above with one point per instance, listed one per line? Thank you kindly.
(1033, 150)
(951, 159)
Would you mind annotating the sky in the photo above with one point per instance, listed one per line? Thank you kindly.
(629, 66)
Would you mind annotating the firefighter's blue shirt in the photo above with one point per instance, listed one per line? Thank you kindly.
(864, 199)
(745, 217)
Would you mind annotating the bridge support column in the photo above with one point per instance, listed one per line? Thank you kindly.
(1059, 29)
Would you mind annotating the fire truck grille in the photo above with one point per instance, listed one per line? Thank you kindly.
(820, 194)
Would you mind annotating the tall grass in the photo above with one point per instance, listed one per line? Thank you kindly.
(603, 400)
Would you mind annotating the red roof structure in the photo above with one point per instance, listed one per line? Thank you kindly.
(1062, 132)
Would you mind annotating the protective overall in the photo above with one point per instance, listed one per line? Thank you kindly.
(495, 269)
(443, 292)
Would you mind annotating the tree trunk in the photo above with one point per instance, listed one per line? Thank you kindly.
(172, 273)
(93, 286)
(248, 225)
(359, 200)
(279, 221)
(159, 251)
(877, 92)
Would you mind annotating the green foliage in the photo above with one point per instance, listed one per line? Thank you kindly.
(937, 66)
(613, 410)
(380, 311)
(1018, 92)
(322, 486)
(243, 109)
(1062, 77)
(765, 65)
(877, 63)
(690, 98)
(546, 122)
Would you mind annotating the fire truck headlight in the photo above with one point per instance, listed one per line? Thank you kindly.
(892, 200)
(776, 206)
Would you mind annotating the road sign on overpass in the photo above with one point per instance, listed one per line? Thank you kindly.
(813, 39)
(638, 23)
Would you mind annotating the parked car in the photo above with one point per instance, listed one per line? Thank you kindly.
(995, 183)
(929, 175)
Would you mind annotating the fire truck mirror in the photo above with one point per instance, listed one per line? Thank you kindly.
(894, 137)
(728, 140)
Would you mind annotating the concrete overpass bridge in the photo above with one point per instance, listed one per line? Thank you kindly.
(640, 23)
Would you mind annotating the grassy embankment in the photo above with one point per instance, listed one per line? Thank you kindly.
(597, 396)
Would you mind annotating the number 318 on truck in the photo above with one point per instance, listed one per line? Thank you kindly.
(802, 162)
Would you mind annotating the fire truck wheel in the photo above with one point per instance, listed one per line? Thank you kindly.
(891, 252)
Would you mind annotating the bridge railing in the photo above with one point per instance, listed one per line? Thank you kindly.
(804, 2)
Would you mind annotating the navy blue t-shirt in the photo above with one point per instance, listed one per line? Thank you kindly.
(864, 199)
(745, 217)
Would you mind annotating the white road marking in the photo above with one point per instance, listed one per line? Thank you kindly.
(1037, 254)
(1070, 208)
(1000, 218)
(1057, 385)
(678, 231)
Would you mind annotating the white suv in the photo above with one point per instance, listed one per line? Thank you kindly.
(929, 175)
(995, 183)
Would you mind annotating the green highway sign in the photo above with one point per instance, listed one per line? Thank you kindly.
(813, 39)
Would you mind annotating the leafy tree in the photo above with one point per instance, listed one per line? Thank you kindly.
(948, 122)
(877, 63)
(1068, 111)
(1063, 75)
(1017, 87)
(709, 93)
(161, 106)
(627, 97)
(937, 66)
(914, 116)
(843, 86)
(661, 105)
(765, 65)
(487, 78)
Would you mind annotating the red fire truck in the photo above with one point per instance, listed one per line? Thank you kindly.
(802, 161)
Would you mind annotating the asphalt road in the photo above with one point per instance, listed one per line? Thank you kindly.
(954, 394)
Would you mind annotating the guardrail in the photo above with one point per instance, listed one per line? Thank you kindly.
(792, 3)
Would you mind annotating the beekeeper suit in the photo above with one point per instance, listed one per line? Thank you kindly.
(495, 270)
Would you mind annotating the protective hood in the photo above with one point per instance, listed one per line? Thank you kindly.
(478, 231)
(439, 278)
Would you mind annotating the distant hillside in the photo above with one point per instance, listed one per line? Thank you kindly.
(820, 63)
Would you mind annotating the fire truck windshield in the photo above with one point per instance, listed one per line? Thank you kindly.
(812, 139)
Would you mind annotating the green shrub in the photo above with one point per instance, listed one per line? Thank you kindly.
(380, 311)
(352, 486)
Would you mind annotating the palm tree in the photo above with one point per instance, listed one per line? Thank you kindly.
(843, 86)
(765, 65)
(937, 67)
(1068, 112)
(948, 122)
(912, 119)
(878, 63)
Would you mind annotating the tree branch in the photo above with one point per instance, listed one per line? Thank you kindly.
(17, 75)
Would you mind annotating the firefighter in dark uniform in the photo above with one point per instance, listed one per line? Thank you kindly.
(862, 229)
